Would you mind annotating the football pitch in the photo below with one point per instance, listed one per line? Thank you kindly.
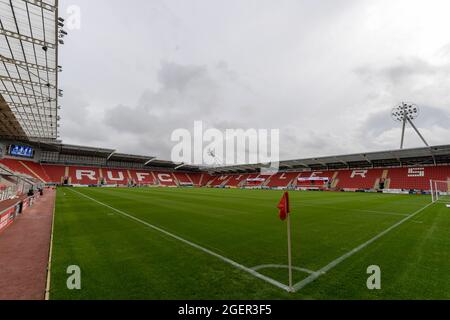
(175, 243)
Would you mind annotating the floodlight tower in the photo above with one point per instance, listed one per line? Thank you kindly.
(407, 112)
(212, 154)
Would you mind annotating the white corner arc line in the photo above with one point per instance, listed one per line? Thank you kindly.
(282, 266)
(300, 285)
(194, 245)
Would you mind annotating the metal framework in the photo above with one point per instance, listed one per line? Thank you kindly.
(434, 155)
(29, 39)
(407, 112)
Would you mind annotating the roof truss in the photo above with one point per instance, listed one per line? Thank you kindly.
(29, 65)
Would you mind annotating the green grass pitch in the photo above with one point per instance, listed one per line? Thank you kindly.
(122, 257)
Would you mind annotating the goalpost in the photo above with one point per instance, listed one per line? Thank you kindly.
(440, 190)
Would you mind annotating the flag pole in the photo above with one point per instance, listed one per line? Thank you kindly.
(289, 250)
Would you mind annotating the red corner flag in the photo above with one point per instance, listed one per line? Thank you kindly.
(283, 206)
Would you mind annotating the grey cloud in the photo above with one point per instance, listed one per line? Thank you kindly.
(409, 79)
(430, 122)
(326, 73)
(78, 123)
(186, 93)
(179, 77)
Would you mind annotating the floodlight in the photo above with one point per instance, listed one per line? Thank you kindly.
(406, 112)
(403, 111)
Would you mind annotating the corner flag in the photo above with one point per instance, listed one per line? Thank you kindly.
(283, 206)
(284, 214)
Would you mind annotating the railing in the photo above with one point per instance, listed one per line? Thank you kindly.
(7, 216)
(8, 193)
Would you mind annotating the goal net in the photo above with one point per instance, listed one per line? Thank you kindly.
(440, 190)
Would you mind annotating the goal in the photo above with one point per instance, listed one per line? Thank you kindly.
(440, 190)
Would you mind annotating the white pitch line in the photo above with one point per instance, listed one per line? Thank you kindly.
(282, 266)
(300, 285)
(212, 253)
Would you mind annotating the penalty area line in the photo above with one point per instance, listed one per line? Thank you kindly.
(194, 245)
(300, 285)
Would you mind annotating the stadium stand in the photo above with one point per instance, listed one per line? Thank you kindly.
(84, 175)
(199, 179)
(78, 165)
(356, 179)
(237, 180)
(254, 181)
(219, 180)
(312, 179)
(55, 173)
(359, 179)
(16, 166)
(166, 179)
(183, 179)
(282, 179)
(416, 177)
(114, 176)
(36, 170)
(143, 177)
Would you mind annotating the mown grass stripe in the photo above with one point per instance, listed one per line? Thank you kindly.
(194, 245)
(300, 285)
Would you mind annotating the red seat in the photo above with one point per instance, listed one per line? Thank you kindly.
(183, 178)
(166, 179)
(282, 179)
(417, 177)
(18, 167)
(54, 172)
(115, 176)
(84, 175)
(37, 170)
(219, 180)
(358, 178)
(196, 178)
(321, 184)
(236, 179)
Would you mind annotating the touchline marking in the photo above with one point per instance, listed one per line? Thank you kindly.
(212, 253)
(300, 285)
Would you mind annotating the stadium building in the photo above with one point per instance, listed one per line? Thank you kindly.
(33, 161)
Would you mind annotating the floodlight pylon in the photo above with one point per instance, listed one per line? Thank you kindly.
(212, 154)
(407, 113)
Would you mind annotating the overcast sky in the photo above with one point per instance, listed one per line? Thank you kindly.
(326, 73)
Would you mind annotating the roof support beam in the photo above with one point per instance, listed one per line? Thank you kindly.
(180, 166)
(26, 64)
(21, 81)
(149, 161)
(20, 105)
(112, 153)
(22, 37)
(367, 159)
(303, 164)
(25, 95)
(340, 160)
(41, 4)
